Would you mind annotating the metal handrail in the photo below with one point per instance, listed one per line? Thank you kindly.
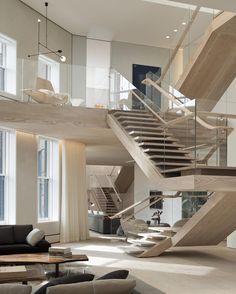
(100, 187)
(114, 188)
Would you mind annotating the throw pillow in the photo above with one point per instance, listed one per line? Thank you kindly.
(6, 235)
(34, 237)
(98, 287)
(120, 274)
(70, 279)
(21, 232)
(15, 289)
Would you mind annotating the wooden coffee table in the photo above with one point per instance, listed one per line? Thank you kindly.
(39, 258)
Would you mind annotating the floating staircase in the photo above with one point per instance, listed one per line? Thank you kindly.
(157, 148)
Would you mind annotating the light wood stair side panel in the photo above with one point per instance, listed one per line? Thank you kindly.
(212, 68)
(125, 179)
(157, 249)
(216, 24)
(137, 153)
(215, 220)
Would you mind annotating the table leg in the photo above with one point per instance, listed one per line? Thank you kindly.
(57, 270)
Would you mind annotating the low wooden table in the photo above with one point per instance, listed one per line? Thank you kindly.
(39, 258)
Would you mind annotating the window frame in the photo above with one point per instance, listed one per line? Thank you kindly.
(9, 174)
(52, 71)
(52, 178)
(9, 66)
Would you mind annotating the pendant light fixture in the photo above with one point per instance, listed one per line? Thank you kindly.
(45, 46)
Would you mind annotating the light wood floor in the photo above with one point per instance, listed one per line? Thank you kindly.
(189, 270)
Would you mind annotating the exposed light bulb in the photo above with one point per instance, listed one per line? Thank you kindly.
(39, 20)
(175, 30)
(63, 58)
(167, 37)
(184, 23)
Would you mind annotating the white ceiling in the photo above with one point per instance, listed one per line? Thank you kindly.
(226, 5)
(134, 21)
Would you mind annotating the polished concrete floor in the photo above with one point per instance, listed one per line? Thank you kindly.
(189, 270)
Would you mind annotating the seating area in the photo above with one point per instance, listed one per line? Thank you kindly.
(13, 240)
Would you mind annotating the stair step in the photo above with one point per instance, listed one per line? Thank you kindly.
(164, 151)
(150, 133)
(146, 138)
(132, 249)
(132, 127)
(141, 123)
(131, 113)
(156, 138)
(172, 164)
(153, 157)
(133, 118)
(165, 171)
(157, 143)
(161, 144)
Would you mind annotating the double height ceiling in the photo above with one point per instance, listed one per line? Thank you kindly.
(145, 22)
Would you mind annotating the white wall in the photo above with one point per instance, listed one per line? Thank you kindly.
(172, 208)
(124, 55)
(79, 60)
(98, 69)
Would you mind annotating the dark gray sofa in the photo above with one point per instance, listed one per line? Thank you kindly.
(13, 240)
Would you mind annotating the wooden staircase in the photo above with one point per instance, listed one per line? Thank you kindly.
(166, 161)
(105, 200)
(158, 149)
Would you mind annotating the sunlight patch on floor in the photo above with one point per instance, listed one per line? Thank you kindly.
(99, 248)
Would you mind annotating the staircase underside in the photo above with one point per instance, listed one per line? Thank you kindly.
(213, 66)
(209, 226)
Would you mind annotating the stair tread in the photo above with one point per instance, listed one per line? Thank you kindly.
(133, 118)
(140, 123)
(142, 138)
(170, 157)
(174, 170)
(165, 150)
(130, 113)
(161, 144)
(146, 138)
(173, 163)
(157, 144)
(146, 132)
(157, 128)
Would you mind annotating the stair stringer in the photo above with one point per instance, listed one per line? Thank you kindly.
(135, 151)
(204, 78)
(210, 225)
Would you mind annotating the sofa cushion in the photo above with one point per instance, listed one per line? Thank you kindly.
(15, 248)
(6, 235)
(34, 237)
(119, 274)
(95, 287)
(21, 232)
(70, 279)
(15, 289)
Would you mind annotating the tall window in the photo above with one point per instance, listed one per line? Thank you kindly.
(49, 69)
(2, 175)
(7, 65)
(48, 179)
(7, 176)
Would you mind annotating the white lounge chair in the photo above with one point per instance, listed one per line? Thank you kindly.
(44, 93)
